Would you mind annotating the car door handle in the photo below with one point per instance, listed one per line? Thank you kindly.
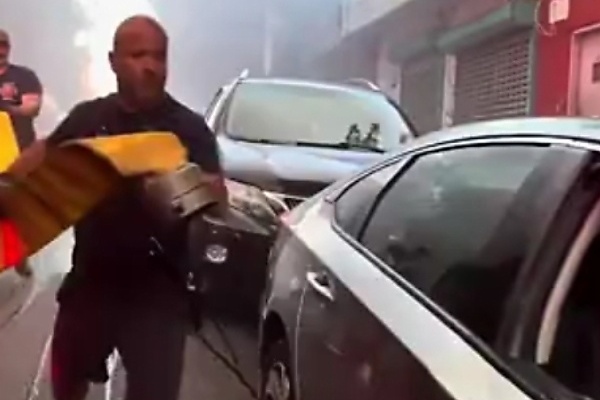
(321, 283)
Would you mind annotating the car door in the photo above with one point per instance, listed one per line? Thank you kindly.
(552, 333)
(334, 347)
(451, 235)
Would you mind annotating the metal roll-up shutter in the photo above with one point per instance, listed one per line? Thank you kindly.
(492, 79)
(422, 91)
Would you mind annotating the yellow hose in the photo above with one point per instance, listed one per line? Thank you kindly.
(9, 148)
(73, 177)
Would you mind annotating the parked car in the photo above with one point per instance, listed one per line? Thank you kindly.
(462, 267)
(282, 141)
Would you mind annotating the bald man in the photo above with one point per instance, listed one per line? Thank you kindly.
(119, 295)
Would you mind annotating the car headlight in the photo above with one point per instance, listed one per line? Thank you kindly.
(251, 200)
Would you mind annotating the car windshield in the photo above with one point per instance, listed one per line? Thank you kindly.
(315, 115)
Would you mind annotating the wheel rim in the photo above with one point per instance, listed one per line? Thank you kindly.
(278, 383)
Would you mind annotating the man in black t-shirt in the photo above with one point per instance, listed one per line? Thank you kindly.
(21, 98)
(119, 294)
(20, 94)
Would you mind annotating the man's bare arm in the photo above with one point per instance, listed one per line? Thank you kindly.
(34, 155)
(31, 104)
(31, 95)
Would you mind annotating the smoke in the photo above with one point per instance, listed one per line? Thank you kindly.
(42, 38)
(66, 42)
(212, 41)
(95, 39)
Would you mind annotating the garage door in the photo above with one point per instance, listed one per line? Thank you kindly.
(492, 79)
(421, 91)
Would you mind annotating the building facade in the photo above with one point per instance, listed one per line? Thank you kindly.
(568, 58)
(446, 62)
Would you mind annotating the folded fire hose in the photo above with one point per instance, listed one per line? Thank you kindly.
(38, 204)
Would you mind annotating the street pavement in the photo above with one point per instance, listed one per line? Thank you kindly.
(27, 310)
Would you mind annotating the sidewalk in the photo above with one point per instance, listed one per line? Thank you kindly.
(14, 291)
(24, 334)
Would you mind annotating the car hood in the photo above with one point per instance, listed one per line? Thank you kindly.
(272, 166)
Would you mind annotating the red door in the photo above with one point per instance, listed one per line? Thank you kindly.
(586, 75)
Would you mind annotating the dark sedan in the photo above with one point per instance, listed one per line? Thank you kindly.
(463, 267)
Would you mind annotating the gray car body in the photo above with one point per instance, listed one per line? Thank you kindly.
(311, 241)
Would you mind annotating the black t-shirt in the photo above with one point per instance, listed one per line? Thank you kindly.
(16, 82)
(112, 243)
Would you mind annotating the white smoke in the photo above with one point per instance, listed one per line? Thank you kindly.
(103, 17)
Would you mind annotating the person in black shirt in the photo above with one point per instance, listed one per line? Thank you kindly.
(20, 94)
(21, 98)
(118, 295)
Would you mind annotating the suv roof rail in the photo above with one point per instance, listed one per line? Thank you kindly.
(364, 83)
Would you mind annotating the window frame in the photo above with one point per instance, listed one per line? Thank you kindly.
(212, 105)
(345, 188)
(225, 108)
(220, 108)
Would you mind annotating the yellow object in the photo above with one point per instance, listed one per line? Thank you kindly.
(9, 148)
(75, 176)
(139, 153)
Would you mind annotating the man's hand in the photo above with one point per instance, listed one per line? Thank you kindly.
(30, 106)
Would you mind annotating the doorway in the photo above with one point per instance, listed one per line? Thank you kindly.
(585, 78)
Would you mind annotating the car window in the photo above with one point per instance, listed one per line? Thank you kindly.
(432, 226)
(315, 114)
(353, 206)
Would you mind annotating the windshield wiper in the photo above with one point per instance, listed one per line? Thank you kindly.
(260, 140)
(341, 145)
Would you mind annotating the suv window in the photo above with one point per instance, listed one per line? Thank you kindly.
(432, 226)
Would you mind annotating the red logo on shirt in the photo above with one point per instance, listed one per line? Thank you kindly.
(9, 91)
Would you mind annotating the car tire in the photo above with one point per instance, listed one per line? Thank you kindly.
(276, 374)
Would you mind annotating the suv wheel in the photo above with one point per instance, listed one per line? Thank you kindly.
(276, 375)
